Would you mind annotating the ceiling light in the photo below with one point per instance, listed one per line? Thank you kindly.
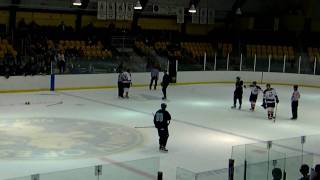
(238, 11)
(77, 3)
(192, 9)
(138, 6)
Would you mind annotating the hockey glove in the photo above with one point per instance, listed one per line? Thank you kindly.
(277, 100)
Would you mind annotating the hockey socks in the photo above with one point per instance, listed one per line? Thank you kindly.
(270, 115)
(253, 106)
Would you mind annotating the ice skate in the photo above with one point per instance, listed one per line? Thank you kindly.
(163, 149)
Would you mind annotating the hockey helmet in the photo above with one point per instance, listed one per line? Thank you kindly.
(163, 105)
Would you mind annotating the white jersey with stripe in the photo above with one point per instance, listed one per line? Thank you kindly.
(295, 96)
(270, 95)
(255, 89)
(126, 77)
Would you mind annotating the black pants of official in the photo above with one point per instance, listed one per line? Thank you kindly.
(120, 89)
(163, 136)
(294, 108)
(164, 91)
(155, 84)
(237, 96)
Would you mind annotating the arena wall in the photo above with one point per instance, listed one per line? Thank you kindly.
(94, 81)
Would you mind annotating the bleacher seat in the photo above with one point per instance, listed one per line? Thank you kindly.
(96, 50)
(276, 52)
(197, 50)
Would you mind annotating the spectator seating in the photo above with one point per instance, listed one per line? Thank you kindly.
(83, 48)
(6, 48)
(143, 48)
(197, 49)
(314, 53)
(276, 52)
(224, 49)
(161, 46)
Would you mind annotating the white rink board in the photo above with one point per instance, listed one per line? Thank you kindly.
(21, 83)
(16, 83)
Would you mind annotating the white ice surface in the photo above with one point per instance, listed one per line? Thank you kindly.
(202, 132)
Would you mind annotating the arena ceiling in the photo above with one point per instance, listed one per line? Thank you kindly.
(247, 6)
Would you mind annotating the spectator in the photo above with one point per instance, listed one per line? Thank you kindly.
(18, 68)
(316, 175)
(154, 77)
(22, 23)
(61, 62)
(62, 27)
(27, 68)
(33, 67)
(304, 170)
(277, 174)
(120, 68)
(6, 71)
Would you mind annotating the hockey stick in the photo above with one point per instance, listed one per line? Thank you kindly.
(60, 102)
(275, 114)
(144, 127)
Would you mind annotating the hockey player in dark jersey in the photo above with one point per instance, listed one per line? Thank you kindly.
(270, 98)
(237, 95)
(161, 121)
(165, 83)
(255, 89)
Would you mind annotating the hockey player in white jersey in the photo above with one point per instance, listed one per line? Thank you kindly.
(270, 98)
(255, 89)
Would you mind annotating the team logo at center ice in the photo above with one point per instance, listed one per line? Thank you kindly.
(60, 138)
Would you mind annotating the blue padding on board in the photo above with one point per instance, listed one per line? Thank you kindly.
(52, 79)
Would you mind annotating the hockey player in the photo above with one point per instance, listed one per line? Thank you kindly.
(161, 121)
(254, 94)
(165, 83)
(120, 84)
(126, 82)
(270, 98)
(294, 102)
(237, 95)
(154, 77)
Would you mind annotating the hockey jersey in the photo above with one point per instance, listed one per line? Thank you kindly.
(295, 96)
(270, 96)
(126, 77)
(255, 89)
(165, 80)
(162, 119)
(120, 77)
(238, 86)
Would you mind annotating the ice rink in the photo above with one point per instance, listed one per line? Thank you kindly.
(72, 129)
